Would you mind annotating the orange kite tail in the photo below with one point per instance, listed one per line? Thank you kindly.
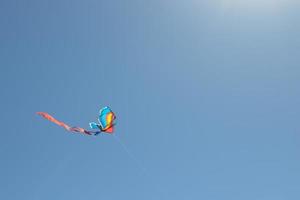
(67, 127)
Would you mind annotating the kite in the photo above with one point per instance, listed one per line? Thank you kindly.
(106, 123)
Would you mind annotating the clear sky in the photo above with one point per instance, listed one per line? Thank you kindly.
(206, 95)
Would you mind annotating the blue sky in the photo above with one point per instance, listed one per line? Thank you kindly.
(206, 95)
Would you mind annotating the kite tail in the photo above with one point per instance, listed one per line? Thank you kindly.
(52, 119)
(97, 133)
(65, 126)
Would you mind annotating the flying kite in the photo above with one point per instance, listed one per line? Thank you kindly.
(106, 123)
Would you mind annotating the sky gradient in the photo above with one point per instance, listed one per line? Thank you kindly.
(206, 95)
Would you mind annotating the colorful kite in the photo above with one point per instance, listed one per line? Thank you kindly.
(106, 120)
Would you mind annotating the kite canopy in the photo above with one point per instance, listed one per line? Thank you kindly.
(106, 119)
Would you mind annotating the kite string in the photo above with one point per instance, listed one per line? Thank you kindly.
(138, 163)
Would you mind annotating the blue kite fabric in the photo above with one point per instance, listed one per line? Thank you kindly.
(106, 120)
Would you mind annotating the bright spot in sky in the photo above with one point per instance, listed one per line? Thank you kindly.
(256, 5)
